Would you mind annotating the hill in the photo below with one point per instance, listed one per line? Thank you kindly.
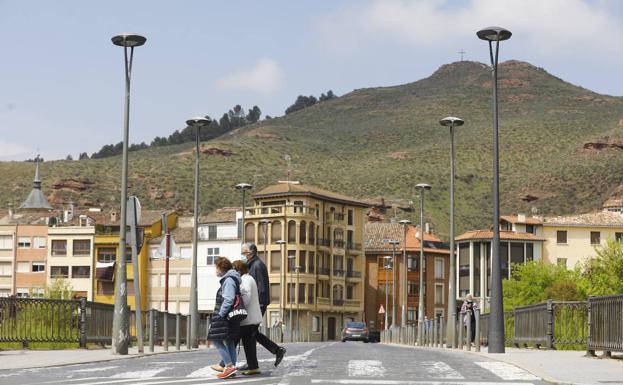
(382, 141)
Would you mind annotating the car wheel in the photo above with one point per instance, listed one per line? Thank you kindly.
(343, 340)
(366, 341)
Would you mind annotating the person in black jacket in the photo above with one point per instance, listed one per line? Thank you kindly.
(259, 272)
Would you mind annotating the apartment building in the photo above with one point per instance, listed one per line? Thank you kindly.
(317, 274)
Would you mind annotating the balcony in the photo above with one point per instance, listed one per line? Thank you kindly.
(338, 243)
(338, 302)
(323, 271)
(332, 217)
(338, 273)
(277, 211)
(323, 301)
(353, 274)
(353, 246)
(353, 303)
(324, 242)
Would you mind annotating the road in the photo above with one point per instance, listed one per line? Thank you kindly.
(308, 363)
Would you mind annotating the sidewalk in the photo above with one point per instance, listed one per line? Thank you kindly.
(562, 366)
(23, 359)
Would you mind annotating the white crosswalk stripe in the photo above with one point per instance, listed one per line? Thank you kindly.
(440, 369)
(206, 371)
(97, 369)
(141, 373)
(507, 371)
(365, 368)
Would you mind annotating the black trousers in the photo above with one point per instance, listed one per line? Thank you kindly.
(248, 334)
(265, 341)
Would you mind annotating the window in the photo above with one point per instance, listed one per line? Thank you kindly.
(302, 260)
(561, 237)
(291, 293)
(155, 280)
(275, 294)
(59, 248)
(350, 217)
(275, 231)
(412, 287)
(105, 287)
(5, 269)
(618, 237)
(464, 269)
(561, 262)
(213, 252)
(59, 271)
(530, 229)
(40, 242)
(37, 292)
(23, 242)
(211, 232)
(529, 252)
(439, 267)
(595, 237)
(172, 280)
(22, 292)
(311, 262)
(106, 254)
(291, 232)
(249, 232)
(412, 262)
(301, 295)
(315, 323)
(23, 267)
(81, 272)
(350, 289)
(184, 280)
(275, 261)
(6, 242)
(82, 247)
(310, 294)
(303, 233)
(439, 294)
(38, 267)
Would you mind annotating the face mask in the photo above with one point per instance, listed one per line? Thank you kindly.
(243, 258)
(219, 273)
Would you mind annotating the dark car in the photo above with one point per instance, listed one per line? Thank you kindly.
(355, 331)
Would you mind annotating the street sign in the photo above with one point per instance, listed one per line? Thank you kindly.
(381, 310)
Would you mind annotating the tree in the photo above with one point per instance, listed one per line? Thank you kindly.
(83, 155)
(603, 275)
(59, 288)
(301, 102)
(69, 157)
(237, 116)
(254, 114)
(330, 95)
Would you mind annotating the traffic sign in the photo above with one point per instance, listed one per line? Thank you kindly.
(381, 310)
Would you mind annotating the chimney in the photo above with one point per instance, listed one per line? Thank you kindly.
(521, 217)
(427, 228)
(114, 216)
(10, 210)
(68, 214)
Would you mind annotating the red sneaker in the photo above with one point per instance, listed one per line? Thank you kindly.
(228, 372)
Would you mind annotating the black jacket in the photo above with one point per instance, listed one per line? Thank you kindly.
(220, 328)
(259, 272)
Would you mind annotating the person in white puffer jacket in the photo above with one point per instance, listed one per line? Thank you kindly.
(250, 325)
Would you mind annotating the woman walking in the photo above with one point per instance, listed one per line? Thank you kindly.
(249, 326)
(224, 333)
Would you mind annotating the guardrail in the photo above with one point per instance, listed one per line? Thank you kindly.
(605, 324)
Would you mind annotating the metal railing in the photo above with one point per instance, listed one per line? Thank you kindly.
(605, 324)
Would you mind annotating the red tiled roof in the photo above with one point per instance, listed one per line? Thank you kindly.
(525, 221)
(504, 235)
(377, 233)
(595, 219)
(290, 189)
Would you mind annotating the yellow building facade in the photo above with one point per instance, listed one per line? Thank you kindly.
(316, 275)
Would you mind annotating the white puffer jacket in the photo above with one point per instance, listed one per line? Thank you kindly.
(250, 297)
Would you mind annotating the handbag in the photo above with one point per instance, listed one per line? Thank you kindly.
(238, 312)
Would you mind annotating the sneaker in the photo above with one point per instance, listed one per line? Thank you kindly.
(228, 372)
(243, 367)
(279, 356)
(217, 367)
(250, 372)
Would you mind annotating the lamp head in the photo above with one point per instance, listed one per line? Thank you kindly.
(128, 40)
(243, 186)
(280, 242)
(264, 221)
(422, 186)
(199, 121)
(404, 222)
(451, 121)
(494, 34)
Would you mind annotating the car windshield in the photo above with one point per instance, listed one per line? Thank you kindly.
(356, 325)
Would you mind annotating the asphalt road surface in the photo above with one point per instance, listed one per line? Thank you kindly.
(304, 363)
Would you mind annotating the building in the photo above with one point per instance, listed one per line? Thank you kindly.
(381, 273)
(8, 238)
(316, 275)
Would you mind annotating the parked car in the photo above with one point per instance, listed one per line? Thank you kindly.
(355, 331)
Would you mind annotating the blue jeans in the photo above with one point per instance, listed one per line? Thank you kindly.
(227, 349)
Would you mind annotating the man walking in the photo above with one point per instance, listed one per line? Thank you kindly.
(259, 272)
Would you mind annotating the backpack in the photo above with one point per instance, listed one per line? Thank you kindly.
(238, 312)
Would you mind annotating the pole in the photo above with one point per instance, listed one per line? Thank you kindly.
(451, 275)
(421, 293)
(194, 310)
(298, 299)
(386, 296)
(120, 326)
(138, 307)
(496, 327)
(244, 239)
(166, 265)
(403, 318)
(290, 300)
(393, 284)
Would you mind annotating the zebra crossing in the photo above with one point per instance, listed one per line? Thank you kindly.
(301, 369)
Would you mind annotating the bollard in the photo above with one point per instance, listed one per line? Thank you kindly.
(83, 322)
(188, 344)
(166, 332)
(460, 323)
(477, 339)
(434, 339)
(441, 335)
(178, 341)
(152, 326)
(469, 330)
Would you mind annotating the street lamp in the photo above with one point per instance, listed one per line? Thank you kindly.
(451, 122)
(403, 320)
(290, 297)
(387, 267)
(243, 187)
(421, 187)
(196, 123)
(298, 299)
(496, 326)
(264, 223)
(281, 242)
(393, 243)
(121, 325)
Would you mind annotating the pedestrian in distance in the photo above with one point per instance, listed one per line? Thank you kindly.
(259, 272)
(224, 333)
(249, 326)
(467, 309)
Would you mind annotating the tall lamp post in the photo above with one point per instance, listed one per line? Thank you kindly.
(290, 297)
(393, 242)
(121, 323)
(387, 267)
(496, 325)
(451, 122)
(298, 298)
(421, 187)
(281, 244)
(196, 123)
(243, 187)
(404, 280)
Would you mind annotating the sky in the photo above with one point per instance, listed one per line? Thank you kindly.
(62, 81)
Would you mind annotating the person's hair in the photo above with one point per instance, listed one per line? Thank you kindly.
(251, 246)
(240, 267)
(223, 264)
(469, 297)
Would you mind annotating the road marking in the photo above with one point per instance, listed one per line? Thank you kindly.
(395, 382)
(365, 368)
(300, 365)
(206, 371)
(141, 373)
(104, 380)
(232, 380)
(99, 369)
(439, 369)
(506, 371)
